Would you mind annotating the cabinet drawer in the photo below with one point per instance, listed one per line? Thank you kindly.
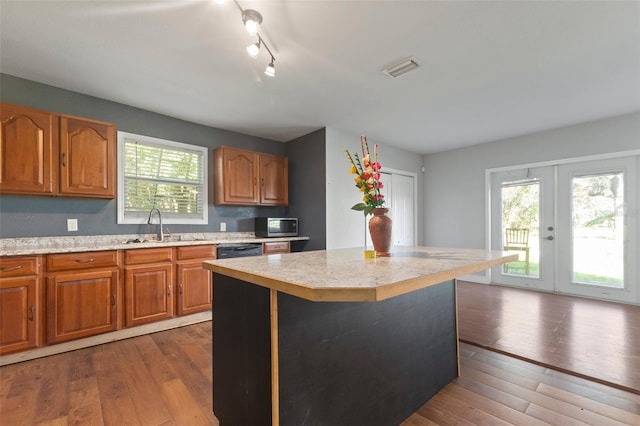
(85, 260)
(148, 255)
(276, 247)
(196, 252)
(18, 266)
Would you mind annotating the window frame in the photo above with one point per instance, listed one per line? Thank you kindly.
(167, 217)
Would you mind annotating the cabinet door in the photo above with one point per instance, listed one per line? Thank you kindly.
(236, 176)
(18, 314)
(81, 304)
(274, 180)
(194, 288)
(28, 140)
(87, 158)
(148, 294)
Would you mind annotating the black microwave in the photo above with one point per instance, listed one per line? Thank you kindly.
(276, 227)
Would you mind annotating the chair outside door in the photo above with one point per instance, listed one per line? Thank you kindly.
(517, 239)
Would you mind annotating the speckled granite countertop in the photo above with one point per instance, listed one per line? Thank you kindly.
(48, 245)
(345, 275)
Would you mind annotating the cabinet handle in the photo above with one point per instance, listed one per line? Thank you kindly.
(64, 159)
(13, 268)
(113, 300)
(255, 181)
(91, 259)
(180, 289)
(262, 182)
(32, 311)
(169, 290)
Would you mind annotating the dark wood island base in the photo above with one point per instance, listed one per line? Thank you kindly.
(280, 359)
(332, 338)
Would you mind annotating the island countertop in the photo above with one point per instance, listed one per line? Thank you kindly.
(344, 275)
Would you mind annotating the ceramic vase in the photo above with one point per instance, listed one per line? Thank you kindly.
(380, 231)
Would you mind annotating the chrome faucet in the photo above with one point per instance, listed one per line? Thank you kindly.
(160, 231)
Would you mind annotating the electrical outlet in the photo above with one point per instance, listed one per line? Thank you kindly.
(223, 227)
(72, 225)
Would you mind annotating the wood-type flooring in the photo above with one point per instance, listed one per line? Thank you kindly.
(165, 379)
(593, 339)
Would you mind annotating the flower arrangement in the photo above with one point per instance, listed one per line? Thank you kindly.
(367, 177)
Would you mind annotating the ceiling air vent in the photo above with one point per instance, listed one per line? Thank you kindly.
(402, 67)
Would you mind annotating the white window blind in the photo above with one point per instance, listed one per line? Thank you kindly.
(167, 175)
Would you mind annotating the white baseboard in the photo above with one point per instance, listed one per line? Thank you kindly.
(105, 338)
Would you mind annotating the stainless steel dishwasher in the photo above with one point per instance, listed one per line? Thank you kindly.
(230, 250)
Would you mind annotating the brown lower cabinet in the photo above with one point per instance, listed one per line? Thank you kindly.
(61, 297)
(148, 285)
(20, 313)
(194, 283)
(82, 295)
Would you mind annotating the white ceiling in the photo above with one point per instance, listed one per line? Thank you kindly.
(490, 69)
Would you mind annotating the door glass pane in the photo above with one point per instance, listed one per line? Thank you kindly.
(520, 226)
(598, 229)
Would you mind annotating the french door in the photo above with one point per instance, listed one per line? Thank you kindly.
(576, 228)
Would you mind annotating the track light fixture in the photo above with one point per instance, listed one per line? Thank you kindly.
(254, 49)
(252, 20)
(271, 69)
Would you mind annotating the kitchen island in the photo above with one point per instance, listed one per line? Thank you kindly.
(332, 338)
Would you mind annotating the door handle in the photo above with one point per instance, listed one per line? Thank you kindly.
(549, 238)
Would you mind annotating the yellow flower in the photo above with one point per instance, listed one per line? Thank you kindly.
(358, 180)
(353, 170)
(362, 189)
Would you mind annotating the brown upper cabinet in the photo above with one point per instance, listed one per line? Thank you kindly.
(43, 153)
(243, 177)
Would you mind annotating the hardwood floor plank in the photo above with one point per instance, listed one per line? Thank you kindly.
(611, 414)
(53, 395)
(191, 376)
(18, 410)
(117, 406)
(433, 413)
(60, 421)
(492, 407)
(151, 409)
(522, 381)
(471, 413)
(553, 417)
(417, 420)
(548, 403)
(84, 402)
(185, 408)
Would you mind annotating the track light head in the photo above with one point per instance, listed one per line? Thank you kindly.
(270, 70)
(251, 20)
(254, 49)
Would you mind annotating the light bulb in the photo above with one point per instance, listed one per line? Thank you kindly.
(253, 50)
(252, 20)
(270, 70)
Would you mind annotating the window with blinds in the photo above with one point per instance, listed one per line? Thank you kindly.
(167, 175)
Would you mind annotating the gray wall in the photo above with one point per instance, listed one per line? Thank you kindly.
(22, 216)
(306, 186)
(454, 182)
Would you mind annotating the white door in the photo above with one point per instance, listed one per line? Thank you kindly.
(522, 207)
(402, 210)
(582, 233)
(400, 198)
(597, 228)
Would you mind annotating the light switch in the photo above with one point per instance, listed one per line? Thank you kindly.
(72, 225)
(223, 227)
